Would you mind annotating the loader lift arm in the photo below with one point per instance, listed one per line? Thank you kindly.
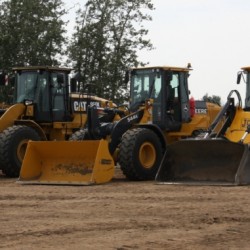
(228, 111)
(98, 130)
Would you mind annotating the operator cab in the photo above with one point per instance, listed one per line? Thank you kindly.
(168, 87)
(46, 88)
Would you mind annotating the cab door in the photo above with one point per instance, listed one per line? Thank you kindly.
(177, 101)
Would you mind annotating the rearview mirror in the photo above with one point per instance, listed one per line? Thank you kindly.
(239, 75)
(73, 85)
(126, 79)
(2, 78)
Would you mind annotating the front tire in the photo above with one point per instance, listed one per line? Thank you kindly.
(140, 154)
(80, 135)
(13, 144)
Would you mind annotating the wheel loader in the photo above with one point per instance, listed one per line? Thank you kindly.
(160, 113)
(221, 157)
(46, 106)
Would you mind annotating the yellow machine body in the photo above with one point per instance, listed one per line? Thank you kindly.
(47, 106)
(198, 122)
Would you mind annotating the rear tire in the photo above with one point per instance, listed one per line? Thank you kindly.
(140, 154)
(13, 144)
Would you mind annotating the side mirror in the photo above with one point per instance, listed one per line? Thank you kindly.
(126, 79)
(12, 80)
(73, 85)
(2, 78)
(239, 75)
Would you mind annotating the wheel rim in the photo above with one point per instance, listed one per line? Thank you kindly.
(21, 149)
(147, 155)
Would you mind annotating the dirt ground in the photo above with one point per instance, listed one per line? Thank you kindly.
(123, 215)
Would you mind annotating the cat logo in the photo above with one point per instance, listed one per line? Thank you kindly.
(82, 105)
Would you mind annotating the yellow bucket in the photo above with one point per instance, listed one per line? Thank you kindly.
(67, 162)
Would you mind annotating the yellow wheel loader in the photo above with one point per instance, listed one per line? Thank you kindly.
(47, 106)
(160, 113)
(220, 157)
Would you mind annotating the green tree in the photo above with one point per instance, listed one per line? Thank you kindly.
(31, 32)
(107, 37)
(214, 99)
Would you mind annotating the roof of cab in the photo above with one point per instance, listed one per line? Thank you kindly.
(172, 68)
(47, 68)
(247, 68)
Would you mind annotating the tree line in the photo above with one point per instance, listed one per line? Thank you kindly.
(106, 38)
(104, 43)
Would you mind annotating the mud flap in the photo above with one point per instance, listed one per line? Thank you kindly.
(207, 161)
(67, 162)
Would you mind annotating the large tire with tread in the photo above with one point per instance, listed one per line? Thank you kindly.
(13, 143)
(140, 154)
(79, 135)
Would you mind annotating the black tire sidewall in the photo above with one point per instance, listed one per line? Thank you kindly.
(147, 136)
(80, 135)
(129, 154)
(11, 139)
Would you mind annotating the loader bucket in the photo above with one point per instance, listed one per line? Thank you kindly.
(67, 162)
(207, 161)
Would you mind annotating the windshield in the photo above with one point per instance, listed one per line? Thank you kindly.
(26, 85)
(145, 84)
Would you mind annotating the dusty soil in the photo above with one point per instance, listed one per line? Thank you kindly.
(123, 215)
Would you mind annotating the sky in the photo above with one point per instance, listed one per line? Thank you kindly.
(212, 35)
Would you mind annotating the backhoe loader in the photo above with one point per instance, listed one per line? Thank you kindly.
(221, 157)
(46, 106)
(160, 113)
